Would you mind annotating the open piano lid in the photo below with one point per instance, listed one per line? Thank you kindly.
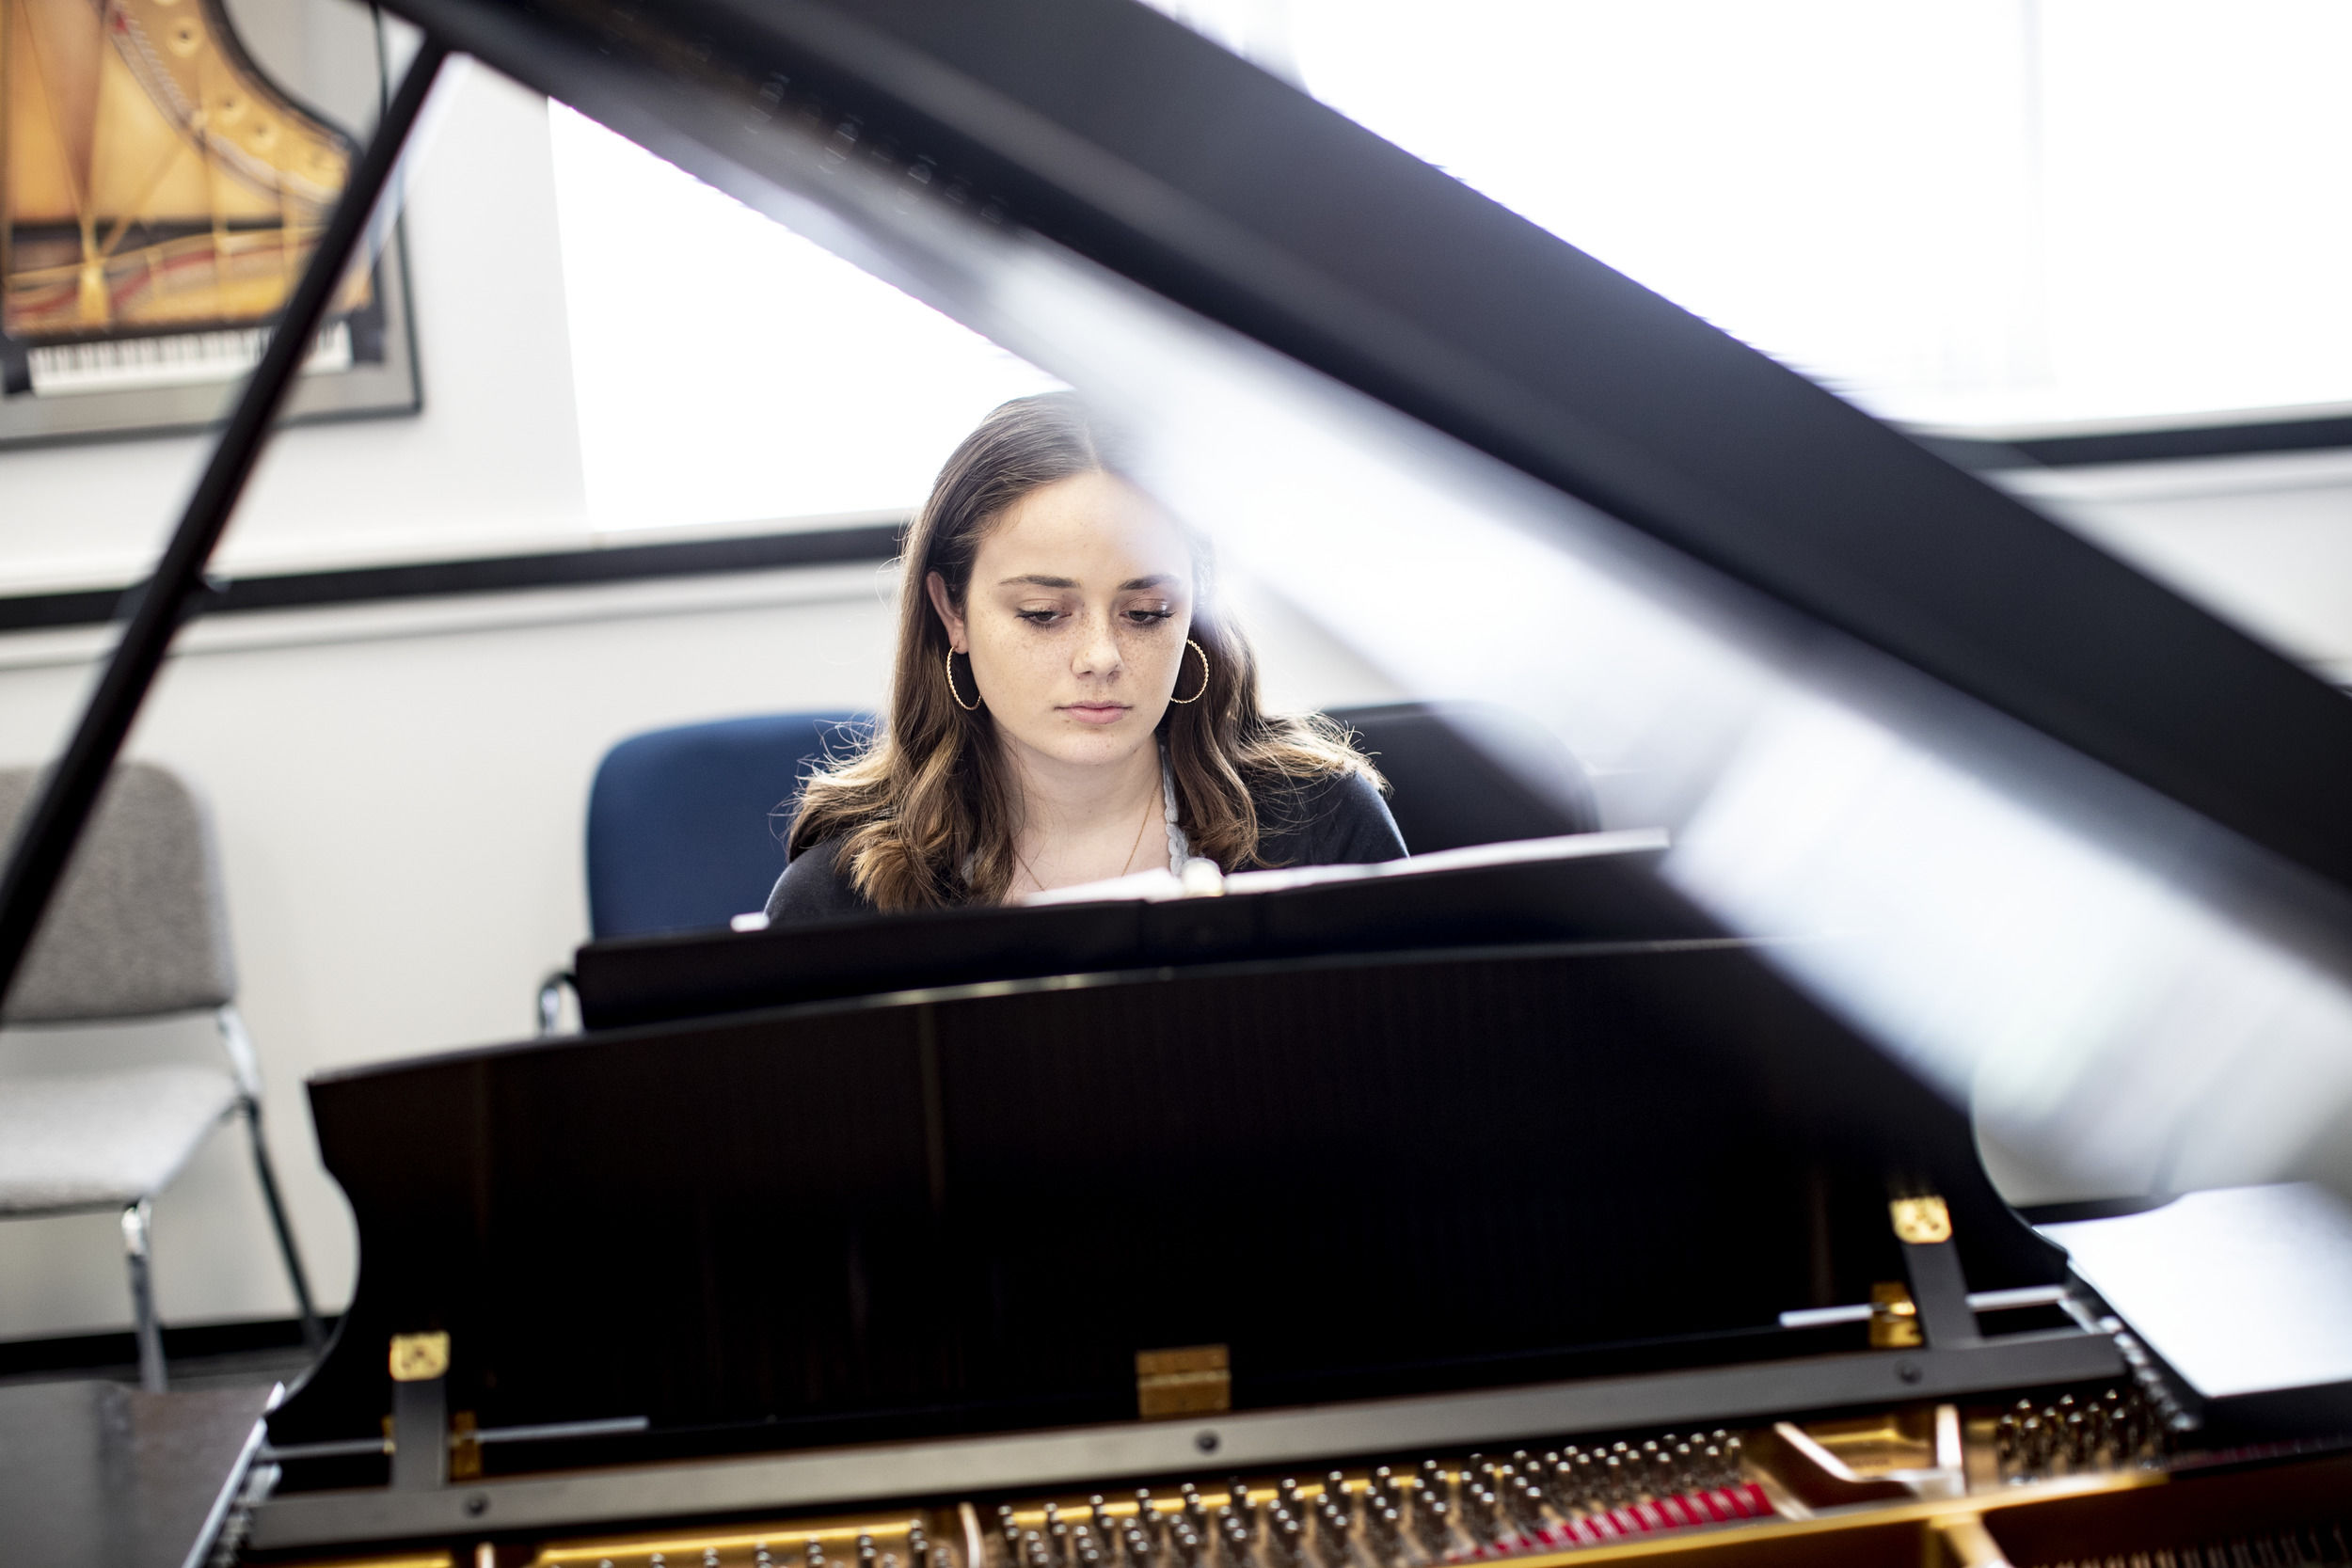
(916, 1216)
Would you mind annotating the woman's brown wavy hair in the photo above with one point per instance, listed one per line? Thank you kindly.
(924, 810)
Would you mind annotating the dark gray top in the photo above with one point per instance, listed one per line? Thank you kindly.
(1338, 821)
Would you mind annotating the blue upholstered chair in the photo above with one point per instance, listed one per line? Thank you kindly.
(686, 825)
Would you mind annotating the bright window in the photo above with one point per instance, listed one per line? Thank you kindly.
(1992, 215)
(728, 371)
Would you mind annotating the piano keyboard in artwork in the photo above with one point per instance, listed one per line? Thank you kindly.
(181, 360)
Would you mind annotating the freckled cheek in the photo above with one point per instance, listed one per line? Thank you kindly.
(1150, 654)
(1022, 663)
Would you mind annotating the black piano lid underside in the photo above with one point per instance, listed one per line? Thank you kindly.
(865, 1218)
(1119, 133)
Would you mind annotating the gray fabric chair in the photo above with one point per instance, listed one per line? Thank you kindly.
(138, 930)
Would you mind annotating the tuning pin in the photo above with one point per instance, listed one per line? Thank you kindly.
(813, 1553)
(1436, 1519)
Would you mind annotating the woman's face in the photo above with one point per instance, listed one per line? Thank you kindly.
(1075, 619)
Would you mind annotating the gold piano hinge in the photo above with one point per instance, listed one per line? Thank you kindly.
(420, 1357)
(465, 1454)
(1192, 1381)
(1893, 1318)
(1921, 1221)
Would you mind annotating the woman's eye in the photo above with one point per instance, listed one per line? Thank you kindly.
(1039, 617)
(1150, 617)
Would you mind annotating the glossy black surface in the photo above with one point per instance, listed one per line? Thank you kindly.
(1605, 897)
(968, 1212)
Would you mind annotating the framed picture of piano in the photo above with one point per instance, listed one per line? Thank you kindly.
(165, 167)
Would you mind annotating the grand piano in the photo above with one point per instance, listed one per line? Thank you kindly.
(1614, 1196)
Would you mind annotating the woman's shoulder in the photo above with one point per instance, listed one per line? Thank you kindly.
(1332, 817)
(815, 887)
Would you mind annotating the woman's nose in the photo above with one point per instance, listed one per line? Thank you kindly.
(1098, 650)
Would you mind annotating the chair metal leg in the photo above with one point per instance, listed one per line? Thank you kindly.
(150, 1333)
(313, 1336)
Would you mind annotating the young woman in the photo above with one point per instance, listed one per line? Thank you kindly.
(1068, 704)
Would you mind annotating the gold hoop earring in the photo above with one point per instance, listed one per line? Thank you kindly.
(1197, 648)
(972, 706)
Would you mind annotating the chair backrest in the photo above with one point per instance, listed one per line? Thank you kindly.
(138, 928)
(680, 836)
(1464, 774)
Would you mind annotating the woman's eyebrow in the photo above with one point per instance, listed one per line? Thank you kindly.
(1035, 579)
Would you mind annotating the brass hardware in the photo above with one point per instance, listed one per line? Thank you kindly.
(1195, 1380)
(1893, 1318)
(465, 1453)
(1921, 1221)
(420, 1357)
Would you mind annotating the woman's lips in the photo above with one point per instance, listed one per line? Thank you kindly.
(1096, 713)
